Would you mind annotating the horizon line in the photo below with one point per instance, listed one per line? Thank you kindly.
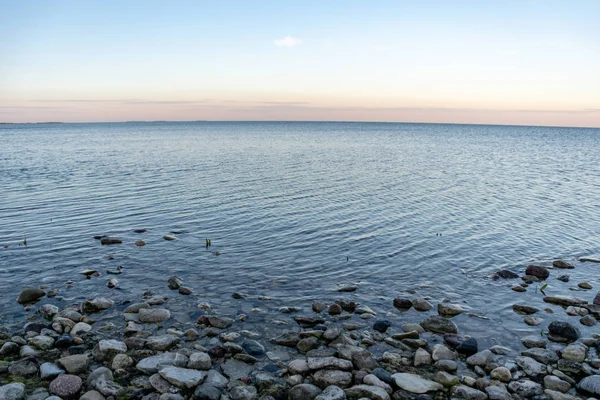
(295, 121)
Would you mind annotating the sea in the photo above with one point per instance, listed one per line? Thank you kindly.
(295, 209)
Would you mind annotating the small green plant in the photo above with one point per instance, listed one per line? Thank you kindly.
(208, 243)
(542, 332)
(544, 286)
(25, 241)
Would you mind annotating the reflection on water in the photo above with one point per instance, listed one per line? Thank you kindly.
(294, 209)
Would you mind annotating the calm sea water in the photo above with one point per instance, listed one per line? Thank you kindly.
(294, 209)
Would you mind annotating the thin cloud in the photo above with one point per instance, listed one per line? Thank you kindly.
(382, 47)
(287, 41)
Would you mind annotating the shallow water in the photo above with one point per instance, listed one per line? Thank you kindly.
(296, 208)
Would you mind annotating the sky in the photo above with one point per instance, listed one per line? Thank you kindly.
(492, 62)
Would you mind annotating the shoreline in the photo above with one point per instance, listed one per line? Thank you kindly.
(139, 349)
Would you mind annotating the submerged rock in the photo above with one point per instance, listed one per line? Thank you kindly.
(563, 330)
(537, 271)
(562, 264)
(30, 295)
(439, 324)
(107, 240)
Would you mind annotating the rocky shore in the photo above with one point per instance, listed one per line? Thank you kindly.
(337, 350)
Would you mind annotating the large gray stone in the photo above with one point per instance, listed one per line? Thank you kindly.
(74, 364)
(151, 365)
(162, 342)
(415, 384)
(50, 371)
(235, 369)
(153, 315)
(66, 387)
(304, 391)
(467, 393)
(590, 385)
(438, 324)
(12, 391)
(332, 377)
(30, 295)
(183, 378)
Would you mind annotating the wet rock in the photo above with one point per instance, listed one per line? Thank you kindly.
(468, 347)
(30, 295)
(562, 264)
(518, 288)
(66, 387)
(112, 283)
(505, 274)
(12, 391)
(533, 341)
(169, 237)
(346, 288)
(27, 367)
(467, 393)
(563, 331)
(479, 359)
(235, 369)
(531, 367)
(575, 352)
(585, 285)
(162, 342)
(140, 243)
(453, 340)
(497, 393)
(422, 305)
(108, 348)
(304, 391)
(74, 364)
(307, 344)
(325, 378)
(199, 360)
(332, 332)
(318, 307)
(42, 342)
(79, 328)
(565, 300)
(330, 393)
(9, 348)
(402, 303)
(446, 379)
(182, 378)
(174, 282)
(243, 393)
(154, 315)
(107, 240)
(552, 382)
(316, 363)
(50, 371)
(564, 278)
(207, 392)
(308, 321)
(415, 384)
(253, 348)
(150, 365)
(220, 322)
(541, 355)
(449, 310)
(367, 391)
(501, 373)
(48, 311)
(421, 357)
(122, 361)
(525, 388)
(96, 305)
(441, 352)
(590, 385)
(532, 321)
(588, 320)
(382, 325)
(439, 324)
(537, 271)
(577, 311)
(525, 309)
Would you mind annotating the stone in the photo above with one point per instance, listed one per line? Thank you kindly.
(505, 274)
(501, 373)
(330, 393)
(174, 282)
(74, 364)
(588, 320)
(153, 315)
(307, 344)
(439, 324)
(48, 311)
(106, 349)
(402, 303)
(468, 347)
(30, 295)
(441, 352)
(498, 393)
(42, 342)
(243, 393)
(565, 300)
(541, 355)
(316, 363)
(590, 385)
(334, 309)
(50, 370)
(289, 339)
(373, 380)
(66, 387)
(328, 377)
(584, 285)
(415, 384)
(367, 391)
(162, 385)
(449, 310)
(524, 309)
(467, 393)
(298, 366)
(308, 321)
(79, 328)
(537, 271)
(215, 379)
(564, 330)
(525, 388)
(162, 342)
(575, 352)
(332, 332)
(92, 395)
(27, 367)
(562, 264)
(182, 378)
(122, 361)
(96, 305)
(382, 325)
(446, 379)
(533, 341)
(235, 369)
(304, 391)
(564, 278)
(199, 361)
(422, 305)
(207, 392)
(12, 391)
(9, 348)
(530, 366)
(253, 348)
(480, 359)
(552, 382)
(151, 365)
(532, 321)
(422, 357)
(446, 365)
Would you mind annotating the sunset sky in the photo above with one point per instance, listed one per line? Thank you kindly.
(501, 62)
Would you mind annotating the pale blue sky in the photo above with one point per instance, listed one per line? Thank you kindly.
(521, 62)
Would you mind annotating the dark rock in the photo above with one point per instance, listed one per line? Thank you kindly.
(207, 392)
(335, 309)
(35, 327)
(107, 240)
(254, 348)
(347, 305)
(505, 274)
(174, 282)
(80, 349)
(383, 375)
(562, 264)
(596, 299)
(30, 295)
(308, 321)
(453, 340)
(402, 303)
(238, 296)
(139, 230)
(438, 324)
(289, 339)
(564, 278)
(524, 309)
(468, 347)
(564, 330)
(382, 325)
(64, 342)
(537, 271)
(27, 367)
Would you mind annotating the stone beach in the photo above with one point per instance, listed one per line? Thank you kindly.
(341, 349)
